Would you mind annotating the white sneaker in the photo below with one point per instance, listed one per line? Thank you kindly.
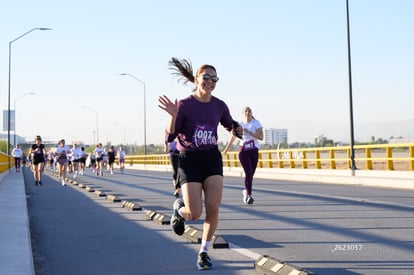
(245, 197)
(63, 182)
(112, 173)
(74, 175)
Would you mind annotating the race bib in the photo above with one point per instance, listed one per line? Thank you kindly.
(249, 145)
(205, 135)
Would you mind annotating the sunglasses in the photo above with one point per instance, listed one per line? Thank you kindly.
(209, 77)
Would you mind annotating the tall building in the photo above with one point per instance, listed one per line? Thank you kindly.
(275, 136)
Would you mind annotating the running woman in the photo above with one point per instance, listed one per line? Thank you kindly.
(82, 160)
(92, 160)
(111, 159)
(76, 155)
(194, 122)
(38, 153)
(98, 152)
(121, 158)
(249, 150)
(17, 154)
(62, 153)
(104, 159)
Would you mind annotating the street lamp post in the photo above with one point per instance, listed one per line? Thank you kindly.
(351, 115)
(97, 124)
(8, 105)
(15, 103)
(145, 114)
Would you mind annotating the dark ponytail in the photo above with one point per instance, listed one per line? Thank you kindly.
(183, 69)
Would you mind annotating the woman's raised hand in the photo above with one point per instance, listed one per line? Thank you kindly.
(167, 105)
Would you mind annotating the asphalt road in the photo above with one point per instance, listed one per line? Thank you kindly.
(326, 229)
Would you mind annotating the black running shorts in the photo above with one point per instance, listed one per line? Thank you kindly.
(197, 166)
(37, 159)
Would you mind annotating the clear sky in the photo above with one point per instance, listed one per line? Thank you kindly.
(287, 60)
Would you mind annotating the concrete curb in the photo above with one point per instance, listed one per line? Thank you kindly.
(16, 256)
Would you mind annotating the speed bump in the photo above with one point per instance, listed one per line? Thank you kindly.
(161, 219)
(113, 198)
(219, 242)
(193, 234)
(100, 193)
(270, 266)
(156, 217)
(131, 205)
(149, 215)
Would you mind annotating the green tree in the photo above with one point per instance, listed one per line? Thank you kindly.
(3, 146)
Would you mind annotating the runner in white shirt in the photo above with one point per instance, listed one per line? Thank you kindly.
(76, 155)
(98, 152)
(17, 154)
(82, 161)
(104, 159)
(249, 150)
(121, 158)
(62, 152)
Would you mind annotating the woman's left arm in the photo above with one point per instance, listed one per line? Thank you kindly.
(258, 134)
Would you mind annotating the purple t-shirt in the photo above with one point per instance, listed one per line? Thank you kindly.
(196, 123)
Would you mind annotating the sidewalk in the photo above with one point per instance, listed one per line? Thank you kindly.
(374, 178)
(16, 251)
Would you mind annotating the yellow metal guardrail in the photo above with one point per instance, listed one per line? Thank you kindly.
(4, 162)
(367, 157)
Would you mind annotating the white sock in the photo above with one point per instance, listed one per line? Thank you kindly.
(204, 246)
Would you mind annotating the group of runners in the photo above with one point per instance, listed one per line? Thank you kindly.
(191, 139)
(64, 159)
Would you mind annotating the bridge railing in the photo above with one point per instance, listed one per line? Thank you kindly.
(4, 162)
(367, 157)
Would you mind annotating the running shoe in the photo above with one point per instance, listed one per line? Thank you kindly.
(249, 200)
(63, 182)
(177, 222)
(203, 261)
(245, 196)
